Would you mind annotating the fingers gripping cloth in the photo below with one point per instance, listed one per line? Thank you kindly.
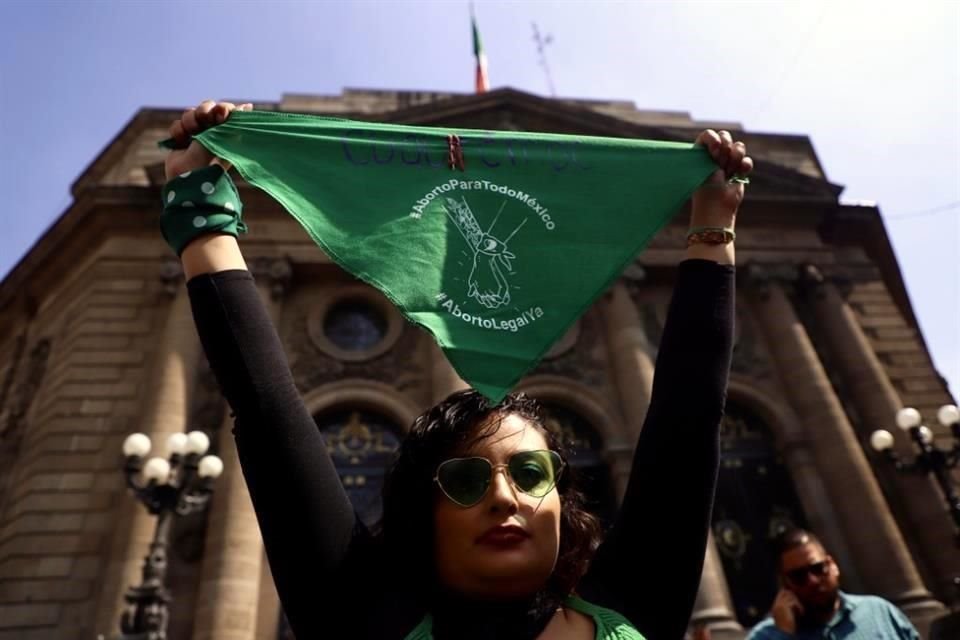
(200, 202)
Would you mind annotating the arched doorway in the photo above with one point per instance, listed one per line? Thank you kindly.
(586, 459)
(755, 502)
(361, 443)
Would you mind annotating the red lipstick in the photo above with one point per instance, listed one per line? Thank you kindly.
(504, 535)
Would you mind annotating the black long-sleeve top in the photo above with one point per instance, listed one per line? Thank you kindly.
(331, 573)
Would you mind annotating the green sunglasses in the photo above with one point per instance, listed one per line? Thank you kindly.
(466, 480)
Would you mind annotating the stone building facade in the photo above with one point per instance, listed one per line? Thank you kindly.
(96, 342)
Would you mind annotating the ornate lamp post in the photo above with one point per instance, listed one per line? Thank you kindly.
(931, 458)
(180, 484)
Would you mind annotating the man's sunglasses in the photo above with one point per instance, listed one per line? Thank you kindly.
(801, 575)
(466, 480)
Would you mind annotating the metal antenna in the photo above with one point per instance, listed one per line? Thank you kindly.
(542, 42)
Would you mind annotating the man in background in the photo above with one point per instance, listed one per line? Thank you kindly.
(811, 605)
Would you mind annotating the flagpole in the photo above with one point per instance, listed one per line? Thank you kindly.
(482, 81)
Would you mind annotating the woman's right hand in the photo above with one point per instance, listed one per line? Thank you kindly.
(189, 154)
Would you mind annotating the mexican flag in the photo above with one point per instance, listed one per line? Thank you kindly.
(482, 80)
(495, 257)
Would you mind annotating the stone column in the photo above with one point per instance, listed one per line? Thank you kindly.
(171, 384)
(714, 606)
(820, 512)
(233, 556)
(444, 379)
(619, 459)
(629, 352)
(880, 553)
(877, 403)
(268, 607)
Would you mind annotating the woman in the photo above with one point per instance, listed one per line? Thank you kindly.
(483, 535)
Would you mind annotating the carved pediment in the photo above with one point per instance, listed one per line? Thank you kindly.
(512, 110)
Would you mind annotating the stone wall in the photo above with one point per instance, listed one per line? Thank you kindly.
(66, 481)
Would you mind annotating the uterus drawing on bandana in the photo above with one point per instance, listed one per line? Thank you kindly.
(492, 259)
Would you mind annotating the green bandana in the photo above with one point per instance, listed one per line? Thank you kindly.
(496, 257)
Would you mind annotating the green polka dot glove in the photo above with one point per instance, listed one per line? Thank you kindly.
(200, 202)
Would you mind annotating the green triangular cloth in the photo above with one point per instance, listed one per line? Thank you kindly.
(496, 260)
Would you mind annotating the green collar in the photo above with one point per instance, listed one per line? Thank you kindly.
(610, 624)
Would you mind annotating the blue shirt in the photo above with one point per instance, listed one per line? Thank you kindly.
(859, 618)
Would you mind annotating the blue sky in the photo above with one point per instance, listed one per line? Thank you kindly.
(876, 87)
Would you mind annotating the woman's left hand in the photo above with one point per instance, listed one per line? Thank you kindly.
(715, 203)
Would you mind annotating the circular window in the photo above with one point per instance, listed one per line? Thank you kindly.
(354, 325)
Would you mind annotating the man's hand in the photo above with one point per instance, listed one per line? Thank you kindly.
(190, 155)
(786, 608)
(715, 203)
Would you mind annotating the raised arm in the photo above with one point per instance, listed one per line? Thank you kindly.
(648, 568)
(316, 547)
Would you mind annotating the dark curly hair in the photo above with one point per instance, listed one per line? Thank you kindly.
(409, 494)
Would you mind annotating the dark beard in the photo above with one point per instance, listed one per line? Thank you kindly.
(819, 613)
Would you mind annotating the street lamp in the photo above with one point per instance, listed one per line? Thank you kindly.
(931, 458)
(179, 484)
